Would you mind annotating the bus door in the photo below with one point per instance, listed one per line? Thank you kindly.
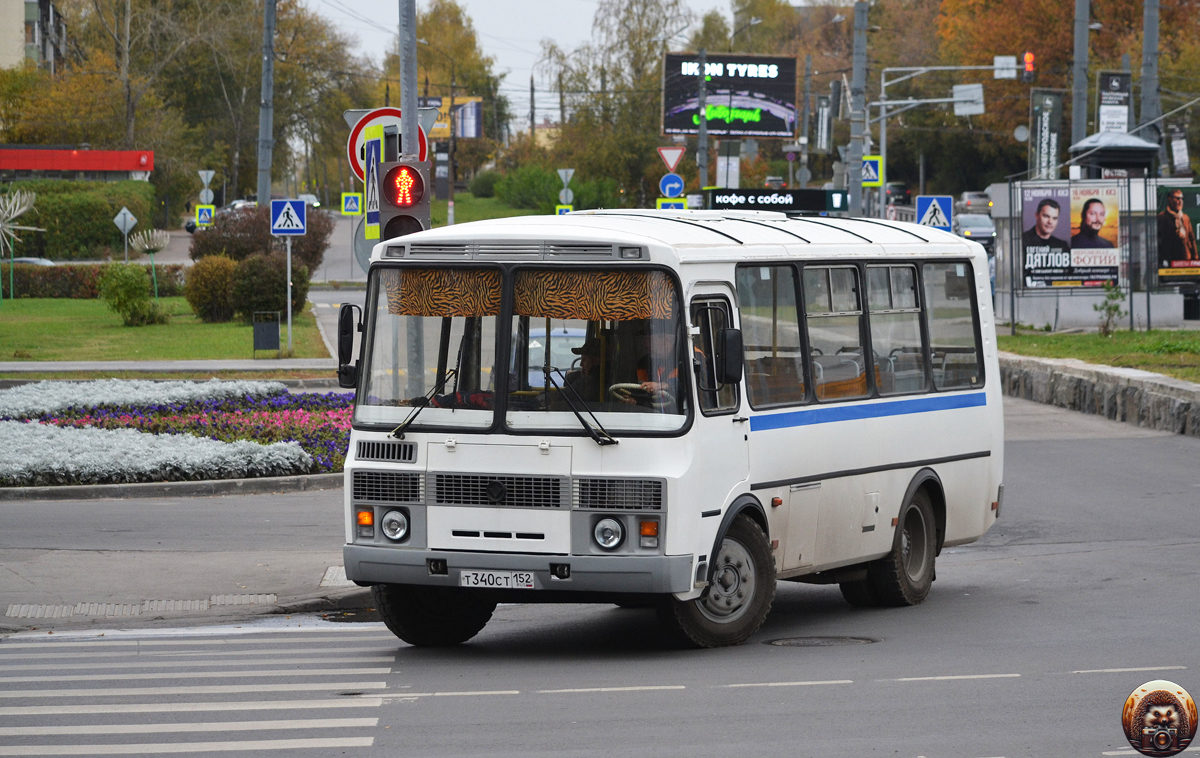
(722, 457)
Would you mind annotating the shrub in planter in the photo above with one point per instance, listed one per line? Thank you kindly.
(260, 284)
(126, 289)
(209, 288)
(241, 234)
(484, 184)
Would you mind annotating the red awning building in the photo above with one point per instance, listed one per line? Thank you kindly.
(33, 162)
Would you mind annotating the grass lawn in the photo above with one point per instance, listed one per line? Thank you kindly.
(1172, 353)
(467, 207)
(45, 329)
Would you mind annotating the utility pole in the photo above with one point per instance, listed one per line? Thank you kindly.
(266, 104)
(410, 147)
(1079, 72)
(702, 135)
(453, 144)
(1151, 105)
(562, 107)
(858, 107)
(804, 174)
(532, 115)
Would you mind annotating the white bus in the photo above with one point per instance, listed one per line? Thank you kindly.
(671, 408)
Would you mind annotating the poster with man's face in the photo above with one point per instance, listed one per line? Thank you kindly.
(1095, 234)
(1178, 219)
(1045, 235)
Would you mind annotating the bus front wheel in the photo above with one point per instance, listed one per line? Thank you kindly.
(431, 616)
(737, 601)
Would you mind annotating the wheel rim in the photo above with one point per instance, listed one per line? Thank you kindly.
(729, 595)
(914, 545)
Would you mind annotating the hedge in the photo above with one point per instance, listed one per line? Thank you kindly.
(80, 281)
(78, 217)
(240, 234)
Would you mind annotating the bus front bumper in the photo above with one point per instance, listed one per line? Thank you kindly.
(659, 574)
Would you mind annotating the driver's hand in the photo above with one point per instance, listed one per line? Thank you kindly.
(654, 387)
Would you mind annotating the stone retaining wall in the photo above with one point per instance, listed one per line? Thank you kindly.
(1132, 396)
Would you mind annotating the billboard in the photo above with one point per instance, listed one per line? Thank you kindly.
(1178, 215)
(1070, 235)
(1114, 93)
(747, 95)
(468, 116)
(1045, 130)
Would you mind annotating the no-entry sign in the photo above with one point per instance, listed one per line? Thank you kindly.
(382, 117)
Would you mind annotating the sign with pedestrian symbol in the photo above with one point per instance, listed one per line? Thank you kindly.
(287, 217)
(204, 215)
(373, 155)
(352, 203)
(935, 211)
(872, 173)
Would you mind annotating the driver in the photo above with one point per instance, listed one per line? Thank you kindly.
(585, 381)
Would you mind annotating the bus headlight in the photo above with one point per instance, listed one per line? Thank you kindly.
(394, 525)
(608, 533)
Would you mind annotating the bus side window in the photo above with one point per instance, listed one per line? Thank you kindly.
(833, 314)
(710, 315)
(896, 329)
(771, 335)
(953, 326)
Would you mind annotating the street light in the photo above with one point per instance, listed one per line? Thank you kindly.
(755, 21)
(453, 143)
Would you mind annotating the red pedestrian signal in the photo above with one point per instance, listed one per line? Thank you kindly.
(403, 187)
(403, 198)
(1029, 73)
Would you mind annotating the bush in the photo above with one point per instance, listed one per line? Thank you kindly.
(80, 281)
(529, 186)
(601, 193)
(126, 289)
(77, 217)
(241, 234)
(484, 183)
(260, 284)
(209, 288)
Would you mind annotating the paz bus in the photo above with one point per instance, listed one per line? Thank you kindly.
(741, 398)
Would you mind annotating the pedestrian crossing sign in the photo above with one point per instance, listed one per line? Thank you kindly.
(671, 203)
(204, 215)
(562, 210)
(872, 171)
(935, 211)
(352, 203)
(288, 217)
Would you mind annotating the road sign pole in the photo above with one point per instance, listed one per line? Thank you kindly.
(289, 293)
(126, 246)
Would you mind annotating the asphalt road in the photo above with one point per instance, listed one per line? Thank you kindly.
(1028, 645)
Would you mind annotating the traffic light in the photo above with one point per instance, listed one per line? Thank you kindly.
(1028, 74)
(404, 194)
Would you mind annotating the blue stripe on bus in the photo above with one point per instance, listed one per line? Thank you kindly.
(854, 411)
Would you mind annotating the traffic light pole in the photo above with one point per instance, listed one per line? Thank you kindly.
(409, 145)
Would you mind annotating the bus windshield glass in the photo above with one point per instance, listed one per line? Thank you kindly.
(601, 342)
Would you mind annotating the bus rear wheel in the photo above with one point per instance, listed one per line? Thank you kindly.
(431, 616)
(739, 598)
(905, 575)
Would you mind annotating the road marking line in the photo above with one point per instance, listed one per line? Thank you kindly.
(195, 675)
(198, 664)
(199, 726)
(13, 648)
(949, 678)
(246, 705)
(1126, 671)
(644, 688)
(790, 684)
(228, 689)
(187, 747)
(207, 653)
(480, 692)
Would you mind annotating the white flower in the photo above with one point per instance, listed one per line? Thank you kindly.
(30, 400)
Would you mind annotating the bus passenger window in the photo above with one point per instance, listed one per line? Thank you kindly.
(710, 316)
(771, 335)
(896, 329)
(833, 314)
(950, 313)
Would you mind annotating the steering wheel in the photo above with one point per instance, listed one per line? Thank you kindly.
(816, 351)
(626, 390)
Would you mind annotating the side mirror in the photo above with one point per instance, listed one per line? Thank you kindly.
(348, 324)
(730, 356)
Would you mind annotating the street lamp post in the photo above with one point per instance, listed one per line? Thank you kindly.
(453, 144)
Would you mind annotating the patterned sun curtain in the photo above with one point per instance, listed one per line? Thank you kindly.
(594, 295)
(444, 292)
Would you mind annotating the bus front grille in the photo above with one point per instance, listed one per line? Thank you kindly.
(387, 487)
(393, 452)
(499, 491)
(619, 494)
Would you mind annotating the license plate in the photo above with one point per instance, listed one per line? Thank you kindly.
(509, 580)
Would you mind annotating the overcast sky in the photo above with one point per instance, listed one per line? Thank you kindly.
(510, 31)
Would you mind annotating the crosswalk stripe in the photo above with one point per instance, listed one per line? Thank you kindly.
(228, 689)
(198, 664)
(200, 726)
(193, 675)
(13, 648)
(246, 705)
(209, 653)
(187, 747)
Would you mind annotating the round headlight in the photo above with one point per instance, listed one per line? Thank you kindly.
(394, 525)
(608, 533)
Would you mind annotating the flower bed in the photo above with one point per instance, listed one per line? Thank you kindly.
(255, 421)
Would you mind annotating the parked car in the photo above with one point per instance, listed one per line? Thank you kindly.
(774, 182)
(977, 227)
(35, 261)
(897, 193)
(974, 202)
(310, 199)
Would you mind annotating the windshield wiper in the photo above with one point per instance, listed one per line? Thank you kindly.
(398, 432)
(598, 432)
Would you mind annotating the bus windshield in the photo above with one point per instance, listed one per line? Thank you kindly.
(609, 343)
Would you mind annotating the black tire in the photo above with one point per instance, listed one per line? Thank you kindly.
(904, 576)
(431, 616)
(859, 593)
(737, 602)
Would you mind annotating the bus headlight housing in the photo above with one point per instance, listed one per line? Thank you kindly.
(394, 525)
(608, 533)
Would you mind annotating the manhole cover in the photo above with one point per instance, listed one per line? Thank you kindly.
(820, 641)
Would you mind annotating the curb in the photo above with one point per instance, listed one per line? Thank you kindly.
(209, 487)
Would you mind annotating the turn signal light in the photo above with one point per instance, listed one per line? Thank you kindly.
(648, 529)
(366, 518)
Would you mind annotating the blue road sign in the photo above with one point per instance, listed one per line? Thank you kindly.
(935, 211)
(671, 185)
(288, 217)
(204, 215)
(872, 171)
(671, 203)
(352, 203)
